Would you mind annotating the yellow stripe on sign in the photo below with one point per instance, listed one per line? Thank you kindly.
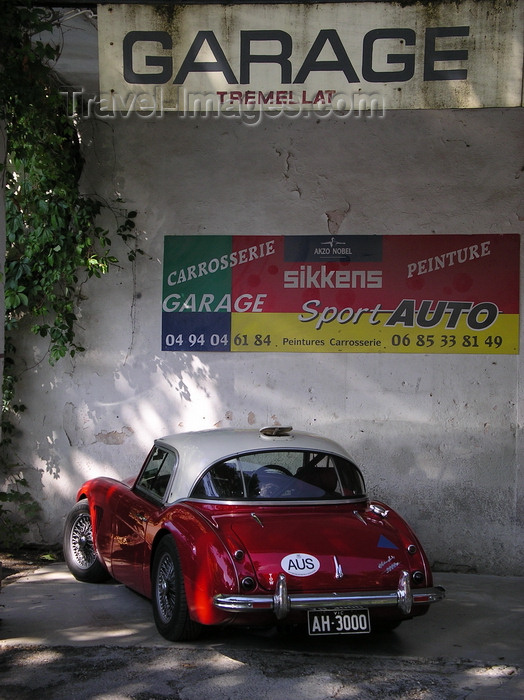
(261, 332)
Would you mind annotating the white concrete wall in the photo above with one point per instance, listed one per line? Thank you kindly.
(437, 436)
(2, 257)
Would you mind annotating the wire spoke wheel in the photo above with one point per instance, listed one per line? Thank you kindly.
(82, 546)
(166, 586)
(79, 548)
(169, 596)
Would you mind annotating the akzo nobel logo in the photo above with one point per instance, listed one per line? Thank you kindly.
(300, 564)
(333, 247)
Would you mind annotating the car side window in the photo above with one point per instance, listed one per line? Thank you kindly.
(157, 473)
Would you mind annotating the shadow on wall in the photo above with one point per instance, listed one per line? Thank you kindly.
(447, 483)
(460, 501)
(106, 429)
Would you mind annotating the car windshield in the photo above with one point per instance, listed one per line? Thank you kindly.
(282, 475)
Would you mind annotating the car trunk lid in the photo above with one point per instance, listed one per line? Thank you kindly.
(328, 547)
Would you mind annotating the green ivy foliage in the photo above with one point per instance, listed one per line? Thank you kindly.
(53, 242)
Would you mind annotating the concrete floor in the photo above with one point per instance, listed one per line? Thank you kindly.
(478, 632)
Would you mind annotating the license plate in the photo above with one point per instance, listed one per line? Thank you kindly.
(354, 621)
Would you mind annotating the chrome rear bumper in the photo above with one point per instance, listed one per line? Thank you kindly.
(281, 602)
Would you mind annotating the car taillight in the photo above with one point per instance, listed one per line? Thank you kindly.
(418, 577)
(248, 583)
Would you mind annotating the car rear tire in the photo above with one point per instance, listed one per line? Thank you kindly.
(169, 596)
(79, 550)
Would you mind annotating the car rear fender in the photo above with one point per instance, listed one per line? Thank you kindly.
(418, 560)
(102, 494)
(207, 564)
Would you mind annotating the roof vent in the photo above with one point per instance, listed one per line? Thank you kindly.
(276, 431)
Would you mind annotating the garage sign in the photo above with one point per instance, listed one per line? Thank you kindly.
(334, 57)
(367, 294)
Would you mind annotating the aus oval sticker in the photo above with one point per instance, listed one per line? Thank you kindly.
(300, 564)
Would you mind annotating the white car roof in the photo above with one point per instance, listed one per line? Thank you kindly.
(200, 449)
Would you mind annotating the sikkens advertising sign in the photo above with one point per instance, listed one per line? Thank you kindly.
(327, 57)
(366, 294)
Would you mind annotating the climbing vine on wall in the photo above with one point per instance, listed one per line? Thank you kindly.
(53, 242)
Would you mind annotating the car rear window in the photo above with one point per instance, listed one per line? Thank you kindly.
(282, 475)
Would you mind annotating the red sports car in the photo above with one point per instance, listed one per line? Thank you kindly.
(252, 528)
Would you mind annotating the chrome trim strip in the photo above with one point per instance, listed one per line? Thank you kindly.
(282, 602)
(339, 573)
(405, 597)
(262, 502)
(255, 517)
(423, 596)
